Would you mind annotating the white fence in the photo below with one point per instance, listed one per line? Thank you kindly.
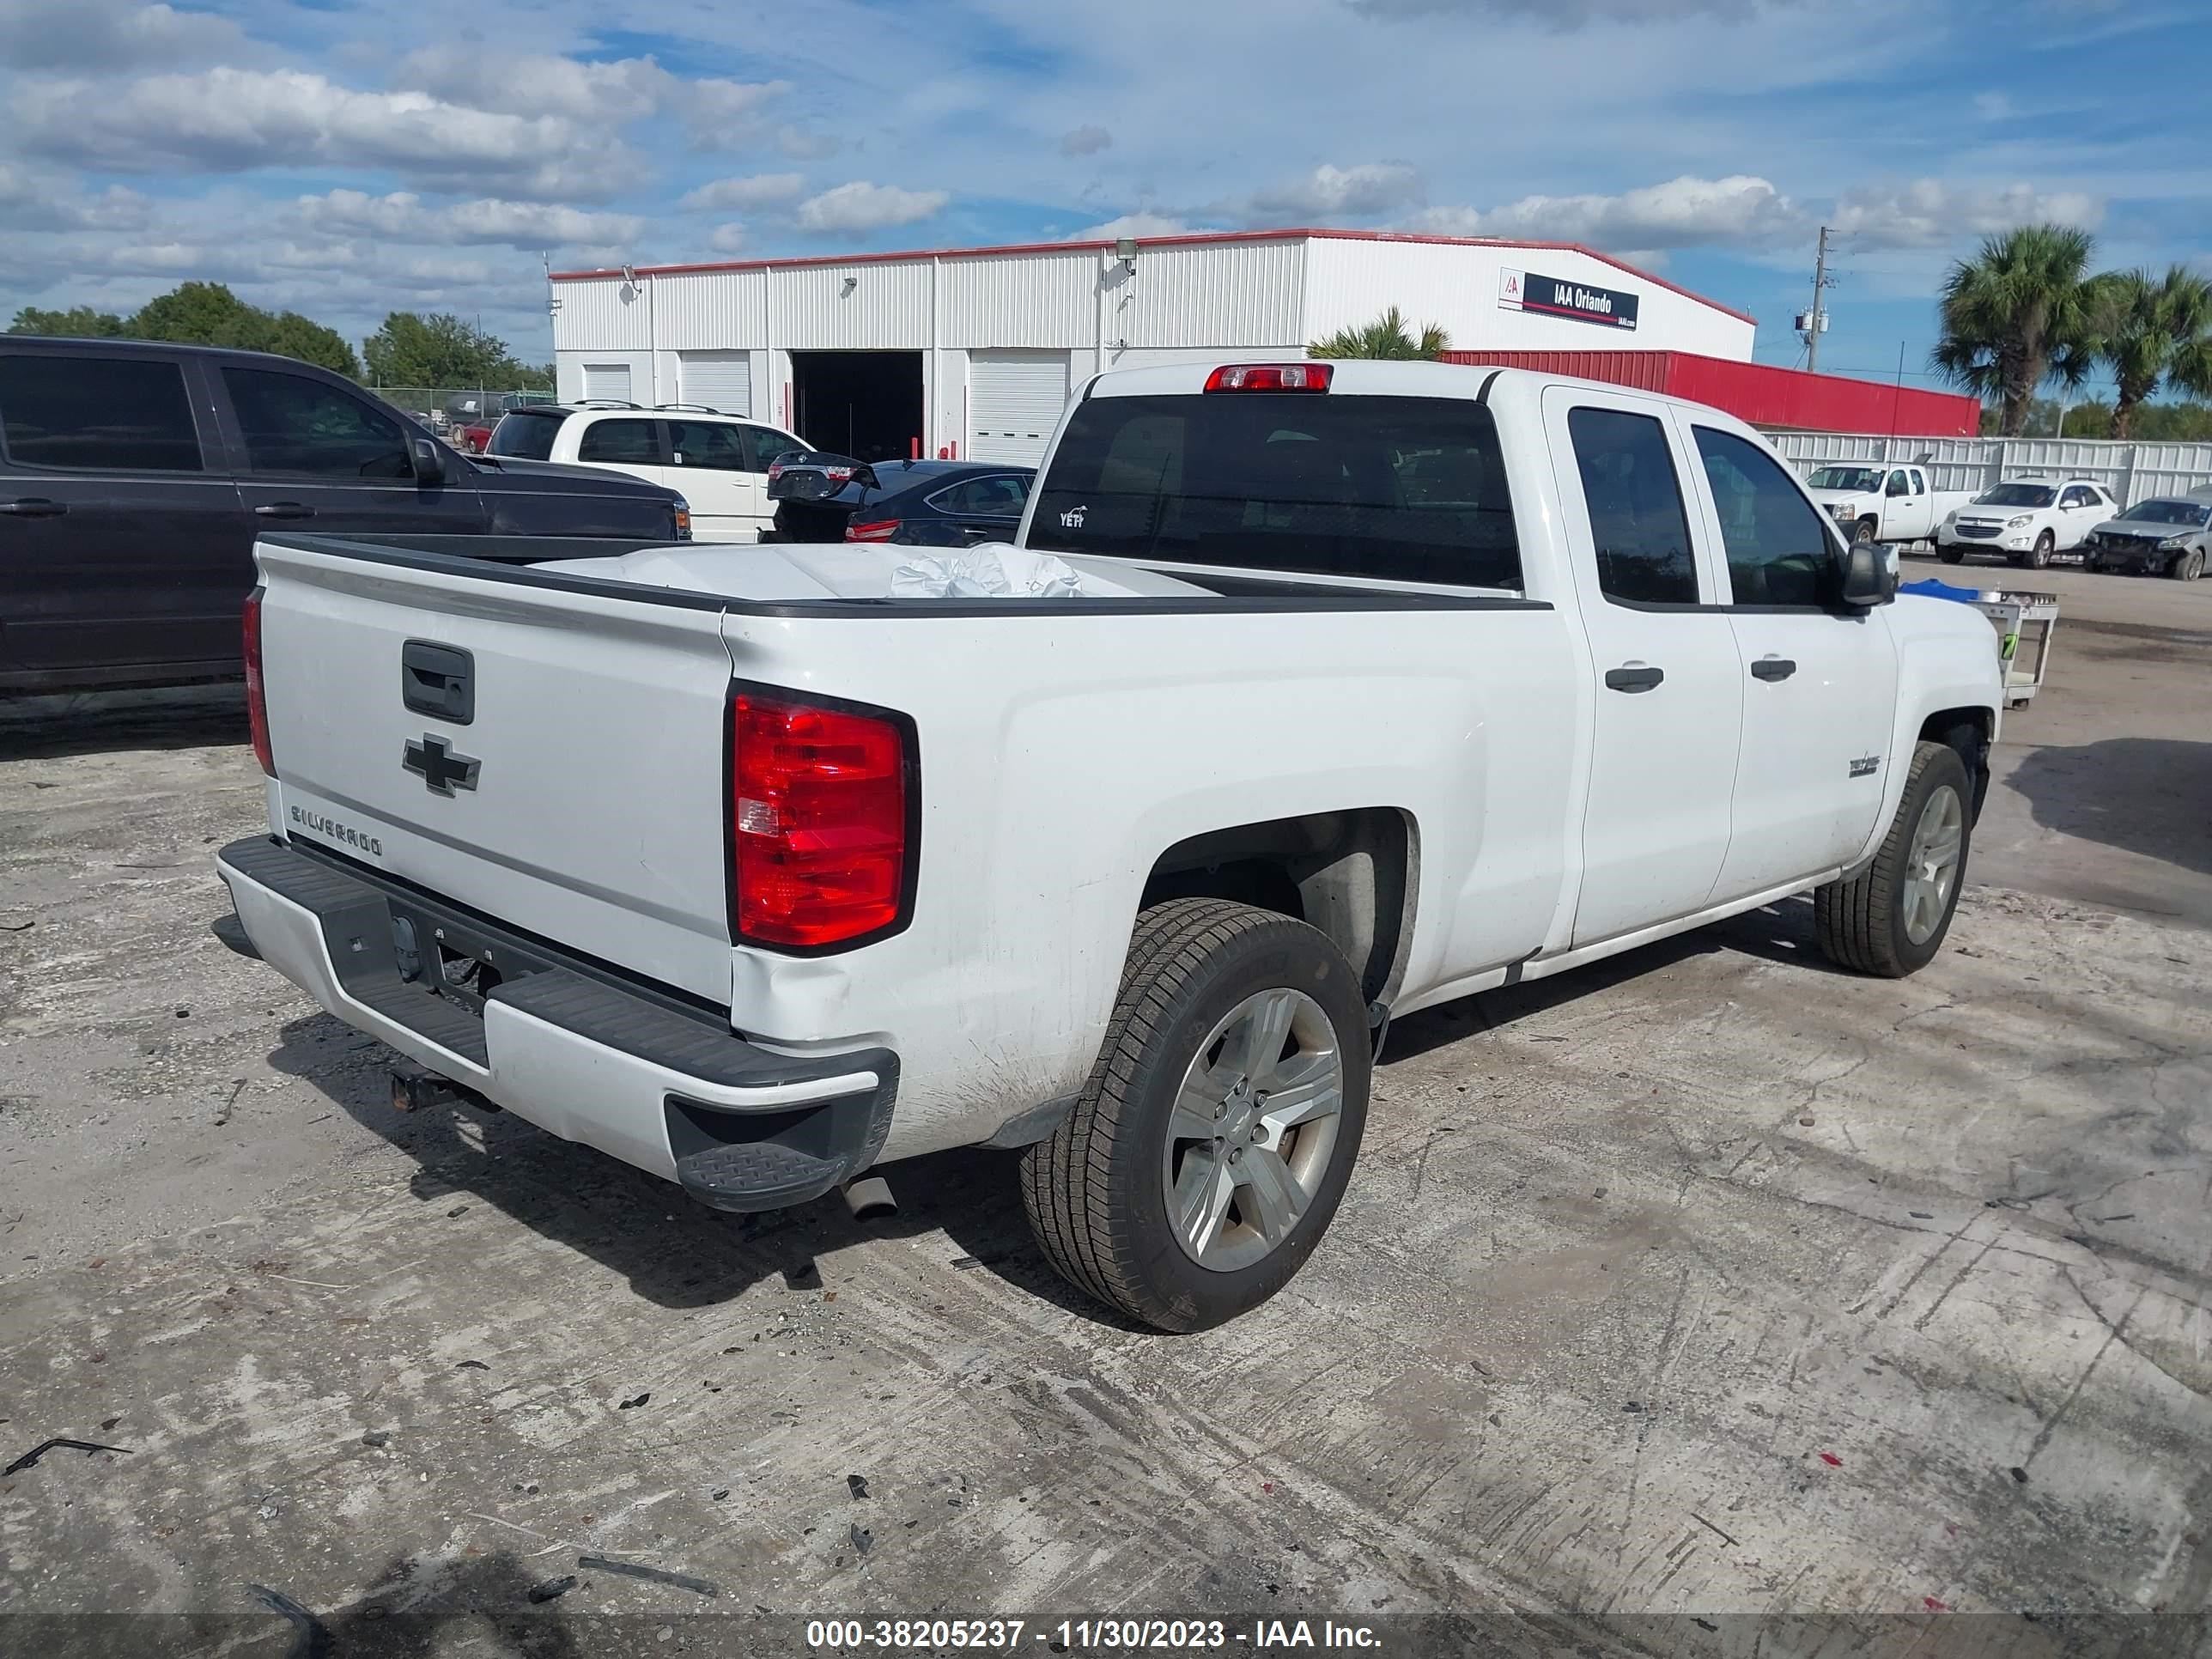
(2133, 472)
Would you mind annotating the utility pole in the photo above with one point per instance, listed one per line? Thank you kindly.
(1814, 320)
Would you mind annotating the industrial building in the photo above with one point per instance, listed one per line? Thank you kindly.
(973, 351)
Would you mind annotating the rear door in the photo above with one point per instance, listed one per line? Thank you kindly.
(708, 466)
(984, 508)
(312, 456)
(123, 544)
(1668, 697)
(1819, 682)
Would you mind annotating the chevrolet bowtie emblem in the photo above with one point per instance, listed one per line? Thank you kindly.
(434, 761)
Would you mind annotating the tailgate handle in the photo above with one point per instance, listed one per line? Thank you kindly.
(438, 680)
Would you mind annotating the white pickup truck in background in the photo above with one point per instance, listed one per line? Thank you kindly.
(1885, 503)
(1385, 683)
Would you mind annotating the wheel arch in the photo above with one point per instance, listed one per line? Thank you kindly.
(1350, 873)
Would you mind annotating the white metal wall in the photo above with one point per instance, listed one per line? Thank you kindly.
(1207, 294)
(2134, 472)
(1037, 300)
(1347, 283)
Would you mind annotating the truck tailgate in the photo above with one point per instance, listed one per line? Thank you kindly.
(593, 814)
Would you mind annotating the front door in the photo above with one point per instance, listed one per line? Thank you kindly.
(122, 542)
(315, 457)
(1668, 693)
(1820, 681)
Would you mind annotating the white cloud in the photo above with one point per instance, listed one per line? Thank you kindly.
(728, 238)
(1133, 224)
(611, 92)
(1684, 212)
(742, 195)
(1085, 141)
(95, 34)
(805, 146)
(1931, 213)
(28, 202)
(228, 120)
(404, 216)
(1330, 192)
(861, 206)
(725, 111)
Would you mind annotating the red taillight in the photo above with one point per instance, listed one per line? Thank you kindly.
(1270, 377)
(881, 531)
(774, 471)
(257, 697)
(819, 850)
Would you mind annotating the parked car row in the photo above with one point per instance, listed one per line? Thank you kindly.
(134, 477)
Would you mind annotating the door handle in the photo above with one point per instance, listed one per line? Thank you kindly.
(283, 510)
(1773, 668)
(34, 506)
(1636, 678)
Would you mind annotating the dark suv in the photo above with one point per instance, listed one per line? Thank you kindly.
(133, 477)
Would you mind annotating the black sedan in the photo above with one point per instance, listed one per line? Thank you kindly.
(913, 503)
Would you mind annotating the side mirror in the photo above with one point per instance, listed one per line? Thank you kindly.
(428, 457)
(1867, 579)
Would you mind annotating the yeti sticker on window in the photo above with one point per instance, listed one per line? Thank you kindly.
(1072, 519)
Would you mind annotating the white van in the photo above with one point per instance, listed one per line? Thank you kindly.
(718, 463)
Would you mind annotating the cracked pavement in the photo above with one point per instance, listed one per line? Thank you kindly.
(1706, 1300)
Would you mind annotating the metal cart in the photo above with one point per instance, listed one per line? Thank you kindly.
(2025, 623)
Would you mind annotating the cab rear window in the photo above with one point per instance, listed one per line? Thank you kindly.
(1395, 488)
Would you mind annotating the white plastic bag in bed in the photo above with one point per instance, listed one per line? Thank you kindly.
(995, 571)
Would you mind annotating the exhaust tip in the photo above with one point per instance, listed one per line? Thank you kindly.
(870, 1199)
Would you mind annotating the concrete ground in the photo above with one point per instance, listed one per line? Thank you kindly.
(1706, 1301)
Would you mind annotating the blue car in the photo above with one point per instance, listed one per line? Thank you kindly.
(914, 503)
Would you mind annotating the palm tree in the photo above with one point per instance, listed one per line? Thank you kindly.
(2153, 331)
(1388, 336)
(2020, 314)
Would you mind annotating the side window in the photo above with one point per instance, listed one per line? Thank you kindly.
(1000, 497)
(1899, 484)
(627, 443)
(763, 445)
(106, 414)
(712, 444)
(1636, 522)
(1919, 482)
(293, 424)
(1779, 551)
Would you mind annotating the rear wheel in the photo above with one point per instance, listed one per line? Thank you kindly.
(1890, 920)
(1208, 1152)
(2187, 567)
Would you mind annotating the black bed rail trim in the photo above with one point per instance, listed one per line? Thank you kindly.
(513, 566)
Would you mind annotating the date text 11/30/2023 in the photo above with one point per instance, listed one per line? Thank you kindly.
(1087, 1636)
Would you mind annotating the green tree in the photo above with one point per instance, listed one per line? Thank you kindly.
(441, 349)
(77, 323)
(2153, 331)
(192, 313)
(1388, 335)
(2018, 314)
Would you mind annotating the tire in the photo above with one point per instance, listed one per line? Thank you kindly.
(2187, 567)
(2038, 556)
(1863, 530)
(1950, 553)
(1867, 923)
(1099, 1193)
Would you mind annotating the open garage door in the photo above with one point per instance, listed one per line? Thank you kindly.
(866, 403)
(1014, 400)
(719, 379)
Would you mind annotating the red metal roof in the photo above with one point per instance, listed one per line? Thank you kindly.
(1760, 393)
(1189, 239)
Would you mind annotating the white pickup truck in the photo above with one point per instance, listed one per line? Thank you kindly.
(1384, 684)
(1882, 503)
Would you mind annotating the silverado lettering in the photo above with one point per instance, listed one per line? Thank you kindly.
(372, 845)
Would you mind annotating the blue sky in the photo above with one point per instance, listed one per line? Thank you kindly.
(349, 157)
